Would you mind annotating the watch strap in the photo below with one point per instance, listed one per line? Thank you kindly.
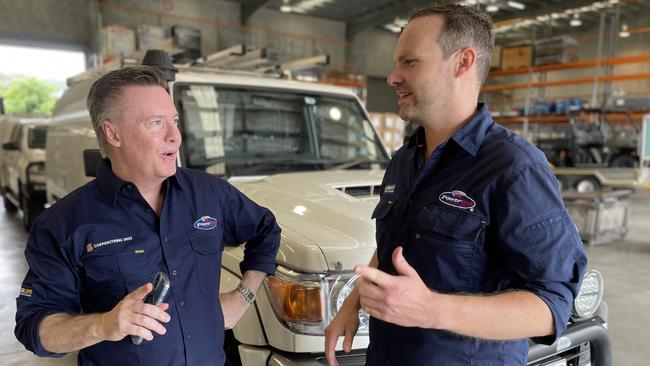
(247, 293)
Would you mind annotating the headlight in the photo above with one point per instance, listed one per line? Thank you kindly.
(590, 295)
(36, 169)
(343, 293)
(307, 303)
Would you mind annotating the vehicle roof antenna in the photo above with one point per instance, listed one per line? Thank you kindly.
(162, 61)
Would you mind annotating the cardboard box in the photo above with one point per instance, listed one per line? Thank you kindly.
(149, 36)
(517, 57)
(117, 41)
(555, 50)
(495, 64)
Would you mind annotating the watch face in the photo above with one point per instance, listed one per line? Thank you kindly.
(249, 296)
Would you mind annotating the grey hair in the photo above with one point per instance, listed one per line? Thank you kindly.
(103, 98)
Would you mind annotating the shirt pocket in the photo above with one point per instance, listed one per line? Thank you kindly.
(108, 275)
(114, 265)
(207, 249)
(382, 214)
(446, 247)
(451, 226)
(101, 268)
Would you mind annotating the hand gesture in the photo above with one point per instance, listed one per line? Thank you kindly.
(132, 316)
(402, 300)
(346, 324)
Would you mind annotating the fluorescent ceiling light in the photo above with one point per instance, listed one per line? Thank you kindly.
(393, 28)
(286, 8)
(575, 22)
(624, 33)
(491, 8)
(309, 5)
(516, 5)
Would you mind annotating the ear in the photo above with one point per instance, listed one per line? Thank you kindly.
(112, 134)
(465, 61)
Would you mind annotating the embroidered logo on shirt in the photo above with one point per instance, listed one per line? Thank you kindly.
(389, 189)
(457, 199)
(26, 292)
(90, 246)
(205, 223)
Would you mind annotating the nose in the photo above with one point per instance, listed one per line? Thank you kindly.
(394, 79)
(173, 133)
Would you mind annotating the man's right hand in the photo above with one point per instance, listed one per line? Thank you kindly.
(345, 323)
(132, 316)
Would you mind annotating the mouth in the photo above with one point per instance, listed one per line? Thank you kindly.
(170, 155)
(403, 94)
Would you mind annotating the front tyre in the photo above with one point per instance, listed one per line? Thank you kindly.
(9, 206)
(31, 210)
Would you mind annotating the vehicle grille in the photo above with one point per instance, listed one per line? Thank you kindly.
(575, 356)
(361, 191)
(355, 358)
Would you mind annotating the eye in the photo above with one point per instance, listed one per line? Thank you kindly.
(175, 121)
(156, 125)
(409, 62)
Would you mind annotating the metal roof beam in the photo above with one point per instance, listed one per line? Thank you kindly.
(545, 9)
(383, 15)
(249, 7)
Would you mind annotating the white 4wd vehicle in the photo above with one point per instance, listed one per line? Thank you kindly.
(23, 167)
(305, 151)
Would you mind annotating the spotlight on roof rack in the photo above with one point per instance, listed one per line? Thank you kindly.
(161, 60)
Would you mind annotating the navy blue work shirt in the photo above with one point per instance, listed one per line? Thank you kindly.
(103, 241)
(482, 215)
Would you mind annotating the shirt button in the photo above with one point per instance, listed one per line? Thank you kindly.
(174, 273)
(166, 240)
(417, 236)
(189, 336)
(182, 303)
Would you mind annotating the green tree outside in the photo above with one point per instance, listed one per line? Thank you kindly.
(28, 95)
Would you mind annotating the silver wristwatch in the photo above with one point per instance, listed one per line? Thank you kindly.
(248, 294)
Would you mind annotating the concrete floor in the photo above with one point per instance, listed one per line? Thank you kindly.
(625, 266)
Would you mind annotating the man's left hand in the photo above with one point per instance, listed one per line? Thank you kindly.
(233, 306)
(402, 300)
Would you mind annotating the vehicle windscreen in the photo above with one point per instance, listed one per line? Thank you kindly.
(36, 138)
(239, 131)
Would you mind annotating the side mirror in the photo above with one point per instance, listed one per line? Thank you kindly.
(10, 146)
(92, 160)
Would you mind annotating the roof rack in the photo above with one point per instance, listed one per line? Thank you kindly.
(132, 59)
(237, 60)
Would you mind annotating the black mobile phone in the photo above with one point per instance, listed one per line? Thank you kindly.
(156, 297)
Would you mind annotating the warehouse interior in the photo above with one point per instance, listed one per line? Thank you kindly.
(570, 76)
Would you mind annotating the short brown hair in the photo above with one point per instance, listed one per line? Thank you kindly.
(464, 27)
(103, 97)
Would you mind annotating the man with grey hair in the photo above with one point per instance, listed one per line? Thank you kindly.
(93, 254)
(475, 249)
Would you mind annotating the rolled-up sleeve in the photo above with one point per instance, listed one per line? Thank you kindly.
(50, 286)
(539, 243)
(246, 221)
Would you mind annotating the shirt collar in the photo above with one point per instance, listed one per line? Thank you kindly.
(469, 137)
(110, 184)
